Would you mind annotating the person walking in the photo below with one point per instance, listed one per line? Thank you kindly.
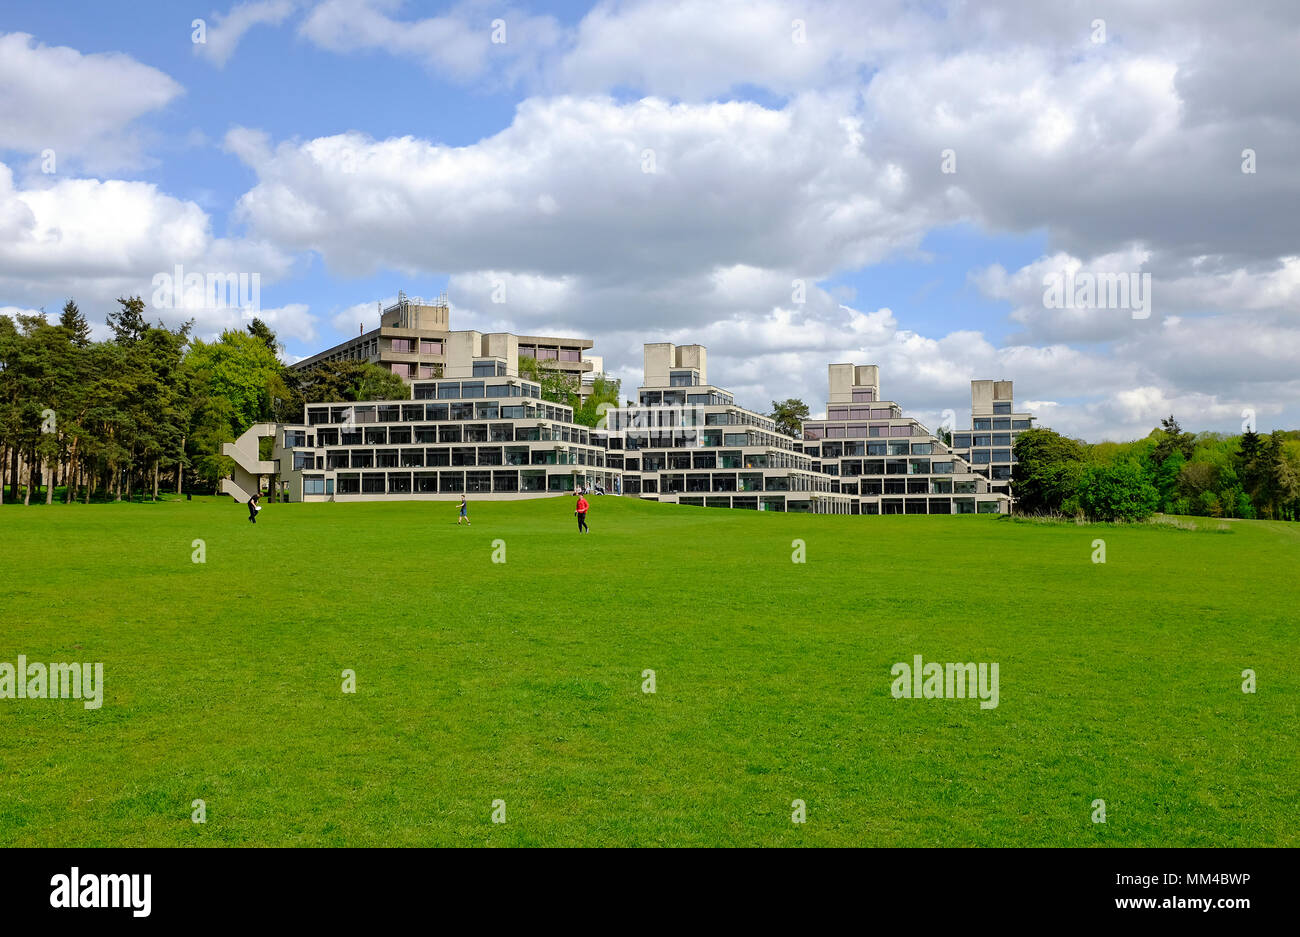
(582, 514)
(253, 508)
(464, 512)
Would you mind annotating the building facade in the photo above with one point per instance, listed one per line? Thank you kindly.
(414, 338)
(989, 446)
(890, 463)
(481, 429)
(687, 442)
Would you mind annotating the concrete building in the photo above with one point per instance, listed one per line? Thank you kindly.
(414, 336)
(988, 446)
(687, 442)
(889, 462)
(481, 429)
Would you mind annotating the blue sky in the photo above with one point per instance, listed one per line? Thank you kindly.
(345, 149)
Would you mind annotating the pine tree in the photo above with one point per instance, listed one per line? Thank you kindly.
(72, 320)
(129, 325)
(1251, 468)
(261, 331)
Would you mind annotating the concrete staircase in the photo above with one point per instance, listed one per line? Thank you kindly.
(243, 482)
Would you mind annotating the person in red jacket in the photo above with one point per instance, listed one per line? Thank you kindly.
(582, 514)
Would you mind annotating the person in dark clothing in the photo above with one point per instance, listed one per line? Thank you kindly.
(253, 508)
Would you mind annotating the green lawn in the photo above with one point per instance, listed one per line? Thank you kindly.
(521, 681)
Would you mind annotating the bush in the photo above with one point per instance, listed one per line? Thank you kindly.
(1119, 492)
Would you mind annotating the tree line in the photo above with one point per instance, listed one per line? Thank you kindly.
(149, 408)
(1170, 471)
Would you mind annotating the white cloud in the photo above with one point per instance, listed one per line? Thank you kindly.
(734, 185)
(80, 106)
(459, 44)
(355, 319)
(97, 240)
(223, 35)
(1123, 156)
(291, 321)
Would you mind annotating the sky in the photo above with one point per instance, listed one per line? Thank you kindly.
(909, 184)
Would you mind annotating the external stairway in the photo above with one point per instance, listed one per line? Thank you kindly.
(249, 469)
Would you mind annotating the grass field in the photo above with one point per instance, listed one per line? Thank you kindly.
(522, 681)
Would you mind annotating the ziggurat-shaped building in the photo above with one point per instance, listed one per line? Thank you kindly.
(482, 430)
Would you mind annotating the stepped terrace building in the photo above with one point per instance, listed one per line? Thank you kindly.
(482, 431)
(890, 462)
(994, 428)
(688, 442)
(414, 337)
